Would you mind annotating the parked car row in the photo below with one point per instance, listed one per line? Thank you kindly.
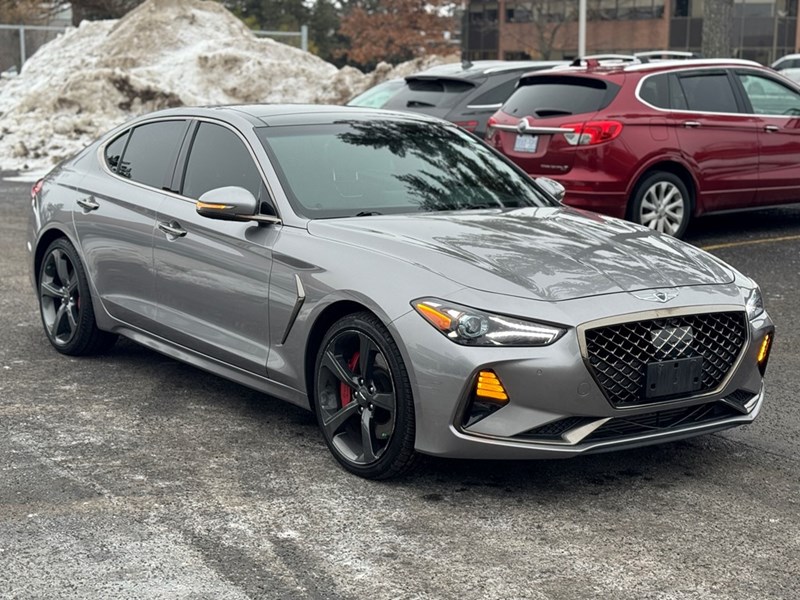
(658, 142)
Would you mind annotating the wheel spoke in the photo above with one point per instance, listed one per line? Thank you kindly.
(366, 356)
(48, 289)
(674, 205)
(335, 423)
(384, 401)
(673, 191)
(331, 362)
(368, 451)
(72, 285)
(72, 317)
(62, 266)
(61, 313)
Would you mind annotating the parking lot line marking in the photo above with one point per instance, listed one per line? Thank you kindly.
(785, 238)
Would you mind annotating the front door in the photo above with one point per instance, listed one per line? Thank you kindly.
(213, 276)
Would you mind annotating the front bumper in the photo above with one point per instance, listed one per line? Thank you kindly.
(552, 386)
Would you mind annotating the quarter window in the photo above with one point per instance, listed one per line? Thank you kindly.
(220, 159)
(709, 92)
(768, 97)
(150, 155)
(655, 91)
(114, 151)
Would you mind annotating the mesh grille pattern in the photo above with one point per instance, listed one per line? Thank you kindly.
(619, 354)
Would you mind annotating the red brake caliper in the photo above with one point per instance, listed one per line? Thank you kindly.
(344, 390)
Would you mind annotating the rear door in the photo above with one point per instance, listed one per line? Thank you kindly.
(531, 126)
(777, 109)
(717, 138)
(213, 276)
(118, 213)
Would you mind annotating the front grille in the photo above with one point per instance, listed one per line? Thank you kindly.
(664, 420)
(618, 355)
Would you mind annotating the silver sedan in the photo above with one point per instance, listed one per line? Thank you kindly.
(397, 277)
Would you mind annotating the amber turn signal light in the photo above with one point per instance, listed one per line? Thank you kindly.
(763, 353)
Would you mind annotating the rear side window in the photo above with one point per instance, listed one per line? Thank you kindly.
(430, 93)
(150, 155)
(114, 151)
(219, 159)
(547, 96)
(709, 92)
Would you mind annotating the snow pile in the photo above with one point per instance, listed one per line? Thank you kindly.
(164, 53)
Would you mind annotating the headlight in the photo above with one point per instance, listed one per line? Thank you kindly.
(755, 303)
(472, 327)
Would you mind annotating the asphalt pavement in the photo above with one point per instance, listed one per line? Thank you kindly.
(133, 476)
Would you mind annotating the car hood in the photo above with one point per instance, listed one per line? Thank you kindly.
(552, 253)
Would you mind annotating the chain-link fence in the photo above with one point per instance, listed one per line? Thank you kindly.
(19, 42)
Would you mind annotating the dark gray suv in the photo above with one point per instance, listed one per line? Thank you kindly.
(465, 93)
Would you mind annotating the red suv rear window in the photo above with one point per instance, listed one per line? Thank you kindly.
(558, 96)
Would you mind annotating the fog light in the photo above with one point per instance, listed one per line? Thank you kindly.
(488, 396)
(763, 353)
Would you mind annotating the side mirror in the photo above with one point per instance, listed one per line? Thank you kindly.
(552, 187)
(231, 203)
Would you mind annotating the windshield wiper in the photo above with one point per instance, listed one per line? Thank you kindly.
(368, 213)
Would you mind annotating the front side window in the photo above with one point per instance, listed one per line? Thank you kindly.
(219, 159)
(709, 92)
(391, 166)
(768, 97)
(150, 155)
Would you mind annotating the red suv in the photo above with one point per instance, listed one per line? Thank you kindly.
(657, 142)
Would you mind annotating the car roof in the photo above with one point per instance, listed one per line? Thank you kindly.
(619, 66)
(482, 68)
(260, 115)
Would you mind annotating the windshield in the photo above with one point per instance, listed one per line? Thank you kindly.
(387, 166)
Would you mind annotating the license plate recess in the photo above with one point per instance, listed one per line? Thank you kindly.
(674, 377)
(526, 143)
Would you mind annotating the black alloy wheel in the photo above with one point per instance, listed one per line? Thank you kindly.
(65, 303)
(363, 398)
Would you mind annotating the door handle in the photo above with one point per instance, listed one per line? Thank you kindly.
(173, 229)
(88, 204)
(771, 128)
(691, 124)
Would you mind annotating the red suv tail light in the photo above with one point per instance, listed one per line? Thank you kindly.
(592, 132)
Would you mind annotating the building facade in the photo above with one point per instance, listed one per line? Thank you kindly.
(548, 29)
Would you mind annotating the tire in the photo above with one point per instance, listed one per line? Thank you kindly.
(362, 398)
(662, 202)
(65, 303)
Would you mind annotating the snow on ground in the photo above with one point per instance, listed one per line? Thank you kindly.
(164, 53)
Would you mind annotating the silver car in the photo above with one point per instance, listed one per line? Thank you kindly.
(397, 277)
